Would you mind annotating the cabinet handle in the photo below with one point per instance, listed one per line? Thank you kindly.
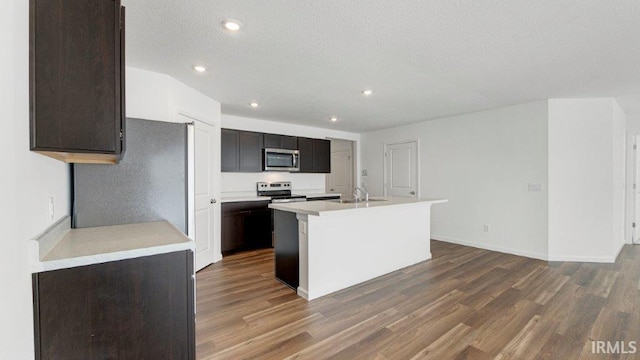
(213, 201)
(331, 190)
(412, 193)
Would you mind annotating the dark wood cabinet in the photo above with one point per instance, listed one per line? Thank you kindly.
(250, 151)
(315, 155)
(276, 141)
(241, 151)
(245, 226)
(229, 150)
(77, 85)
(286, 249)
(305, 146)
(321, 156)
(140, 308)
(324, 198)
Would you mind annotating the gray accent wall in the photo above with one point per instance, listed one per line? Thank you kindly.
(149, 183)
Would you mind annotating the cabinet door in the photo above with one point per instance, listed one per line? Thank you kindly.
(140, 308)
(289, 142)
(321, 156)
(258, 229)
(233, 234)
(229, 150)
(305, 146)
(250, 151)
(77, 81)
(272, 141)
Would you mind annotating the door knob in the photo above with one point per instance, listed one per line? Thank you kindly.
(213, 201)
(412, 193)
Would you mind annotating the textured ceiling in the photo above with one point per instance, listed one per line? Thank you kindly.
(307, 60)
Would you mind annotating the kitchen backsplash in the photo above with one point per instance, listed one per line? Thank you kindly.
(245, 183)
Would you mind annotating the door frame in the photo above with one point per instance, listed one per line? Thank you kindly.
(385, 165)
(632, 196)
(180, 116)
(354, 163)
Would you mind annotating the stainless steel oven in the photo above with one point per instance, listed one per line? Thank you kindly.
(281, 160)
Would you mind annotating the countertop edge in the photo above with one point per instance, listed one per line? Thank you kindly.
(231, 199)
(346, 210)
(41, 266)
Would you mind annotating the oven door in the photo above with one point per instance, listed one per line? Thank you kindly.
(281, 160)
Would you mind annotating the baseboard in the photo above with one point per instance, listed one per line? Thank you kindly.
(569, 258)
(593, 259)
(501, 249)
(303, 293)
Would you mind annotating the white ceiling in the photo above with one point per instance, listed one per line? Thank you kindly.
(307, 60)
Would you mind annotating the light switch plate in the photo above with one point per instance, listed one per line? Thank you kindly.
(535, 187)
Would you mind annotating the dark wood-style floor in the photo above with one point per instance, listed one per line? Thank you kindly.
(465, 303)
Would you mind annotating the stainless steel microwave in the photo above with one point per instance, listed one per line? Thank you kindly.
(281, 160)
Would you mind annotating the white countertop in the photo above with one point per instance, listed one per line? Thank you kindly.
(228, 199)
(86, 246)
(326, 207)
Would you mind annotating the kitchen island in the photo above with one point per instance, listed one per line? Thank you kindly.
(325, 246)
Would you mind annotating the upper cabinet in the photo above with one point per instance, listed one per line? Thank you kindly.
(250, 151)
(315, 155)
(229, 152)
(276, 141)
(241, 151)
(77, 71)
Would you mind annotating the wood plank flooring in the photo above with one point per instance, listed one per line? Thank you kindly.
(465, 303)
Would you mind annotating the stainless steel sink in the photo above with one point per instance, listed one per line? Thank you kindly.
(352, 201)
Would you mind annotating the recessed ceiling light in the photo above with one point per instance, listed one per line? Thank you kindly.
(333, 119)
(367, 92)
(231, 25)
(254, 104)
(199, 68)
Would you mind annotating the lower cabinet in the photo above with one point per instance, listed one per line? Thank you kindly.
(245, 226)
(141, 308)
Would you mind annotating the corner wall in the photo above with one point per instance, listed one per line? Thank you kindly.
(482, 163)
(586, 179)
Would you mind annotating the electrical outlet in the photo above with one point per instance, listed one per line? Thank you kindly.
(52, 208)
(364, 172)
(487, 228)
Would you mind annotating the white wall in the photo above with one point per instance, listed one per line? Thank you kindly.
(155, 96)
(29, 180)
(586, 179)
(236, 183)
(482, 163)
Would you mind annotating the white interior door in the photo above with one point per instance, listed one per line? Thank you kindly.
(206, 205)
(341, 178)
(401, 169)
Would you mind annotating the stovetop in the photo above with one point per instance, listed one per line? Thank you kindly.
(277, 190)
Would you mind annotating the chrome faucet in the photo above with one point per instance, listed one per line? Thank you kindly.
(364, 191)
